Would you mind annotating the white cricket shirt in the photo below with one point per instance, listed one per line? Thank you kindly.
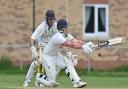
(43, 34)
(54, 44)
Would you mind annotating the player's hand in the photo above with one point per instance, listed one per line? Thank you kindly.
(34, 52)
(88, 47)
(72, 57)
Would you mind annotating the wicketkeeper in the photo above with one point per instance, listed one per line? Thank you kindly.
(41, 36)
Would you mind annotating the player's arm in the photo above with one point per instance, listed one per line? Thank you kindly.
(72, 44)
(32, 42)
(87, 48)
(37, 33)
(74, 40)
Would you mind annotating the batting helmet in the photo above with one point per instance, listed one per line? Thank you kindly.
(50, 14)
(62, 23)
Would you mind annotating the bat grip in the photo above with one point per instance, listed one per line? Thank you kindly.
(101, 44)
(96, 46)
(93, 47)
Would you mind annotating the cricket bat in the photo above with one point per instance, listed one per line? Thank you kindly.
(110, 42)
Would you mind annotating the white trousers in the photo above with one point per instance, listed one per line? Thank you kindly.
(51, 63)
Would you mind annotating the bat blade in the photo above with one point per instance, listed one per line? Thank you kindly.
(116, 40)
(109, 42)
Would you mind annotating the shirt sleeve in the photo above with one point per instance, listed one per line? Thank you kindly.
(59, 39)
(39, 31)
(69, 37)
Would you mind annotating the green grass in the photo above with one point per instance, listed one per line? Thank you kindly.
(12, 78)
(94, 82)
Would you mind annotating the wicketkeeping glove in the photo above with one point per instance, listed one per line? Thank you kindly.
(34, 52)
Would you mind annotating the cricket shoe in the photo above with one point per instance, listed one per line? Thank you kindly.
(54, 84)
(26, 82)
(40, 82)
(79, 84)
(37, 84)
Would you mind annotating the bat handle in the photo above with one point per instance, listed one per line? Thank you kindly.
(93, 47)
(96, 46)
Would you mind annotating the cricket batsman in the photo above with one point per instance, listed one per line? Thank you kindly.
(53, 59)
(42, 35)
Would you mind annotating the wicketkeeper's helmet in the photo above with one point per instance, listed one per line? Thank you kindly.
(62, 23)
(50, 15)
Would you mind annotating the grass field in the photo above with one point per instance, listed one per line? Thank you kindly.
(9, 81)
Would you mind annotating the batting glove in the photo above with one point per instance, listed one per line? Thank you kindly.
(88, 47)
(34, 52)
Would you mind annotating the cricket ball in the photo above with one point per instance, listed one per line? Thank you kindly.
(99, 54)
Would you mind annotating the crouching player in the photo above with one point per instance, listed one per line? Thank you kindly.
(53, 59)
(42, 34)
